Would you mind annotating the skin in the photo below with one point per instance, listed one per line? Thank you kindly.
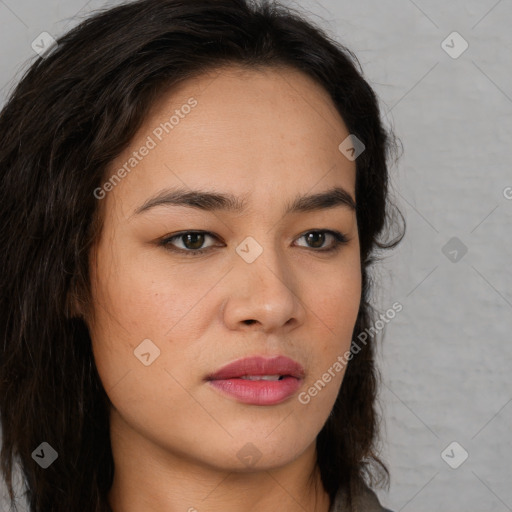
(265, 135)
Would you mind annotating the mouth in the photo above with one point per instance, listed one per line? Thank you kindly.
(259, 380)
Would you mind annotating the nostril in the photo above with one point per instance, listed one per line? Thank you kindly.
(249, 322)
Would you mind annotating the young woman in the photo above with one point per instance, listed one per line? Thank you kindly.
(192, 194)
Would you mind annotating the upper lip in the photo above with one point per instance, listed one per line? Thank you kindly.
(280, 365)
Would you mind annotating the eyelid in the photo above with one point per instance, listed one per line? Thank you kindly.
(340, 239)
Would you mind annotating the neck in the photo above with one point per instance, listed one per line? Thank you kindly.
(149, 478)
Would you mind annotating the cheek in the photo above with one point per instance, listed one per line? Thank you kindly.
(336, 303)
(134, 289)
(136, 298)
(335, 313)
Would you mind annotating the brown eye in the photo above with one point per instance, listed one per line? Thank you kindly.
(316, 239)
(192, 242)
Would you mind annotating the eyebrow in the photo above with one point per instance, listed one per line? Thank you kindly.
(215, 201)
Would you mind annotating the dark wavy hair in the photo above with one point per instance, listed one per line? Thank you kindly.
(74, 110)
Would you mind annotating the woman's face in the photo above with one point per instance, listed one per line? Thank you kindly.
(165, 319)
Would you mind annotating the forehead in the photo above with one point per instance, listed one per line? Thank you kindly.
(238, 130)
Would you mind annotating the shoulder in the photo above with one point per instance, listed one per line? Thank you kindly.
(370, 503)
(366, 501)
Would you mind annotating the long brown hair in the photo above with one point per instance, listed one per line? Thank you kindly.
(75, 109)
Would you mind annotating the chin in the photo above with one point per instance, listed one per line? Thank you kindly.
(249, 453)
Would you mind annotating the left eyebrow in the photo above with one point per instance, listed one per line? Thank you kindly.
(213, 201)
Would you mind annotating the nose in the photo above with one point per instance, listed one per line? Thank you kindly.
(263, 295)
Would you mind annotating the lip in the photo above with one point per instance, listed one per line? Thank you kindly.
(259, 392)
(279, 365)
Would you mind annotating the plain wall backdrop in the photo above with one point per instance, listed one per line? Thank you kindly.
(446, 357)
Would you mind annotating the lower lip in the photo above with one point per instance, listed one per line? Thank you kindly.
(259, 392)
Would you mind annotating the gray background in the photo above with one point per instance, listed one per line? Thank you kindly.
(446, 356)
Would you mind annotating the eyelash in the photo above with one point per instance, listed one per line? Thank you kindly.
(339, 240)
